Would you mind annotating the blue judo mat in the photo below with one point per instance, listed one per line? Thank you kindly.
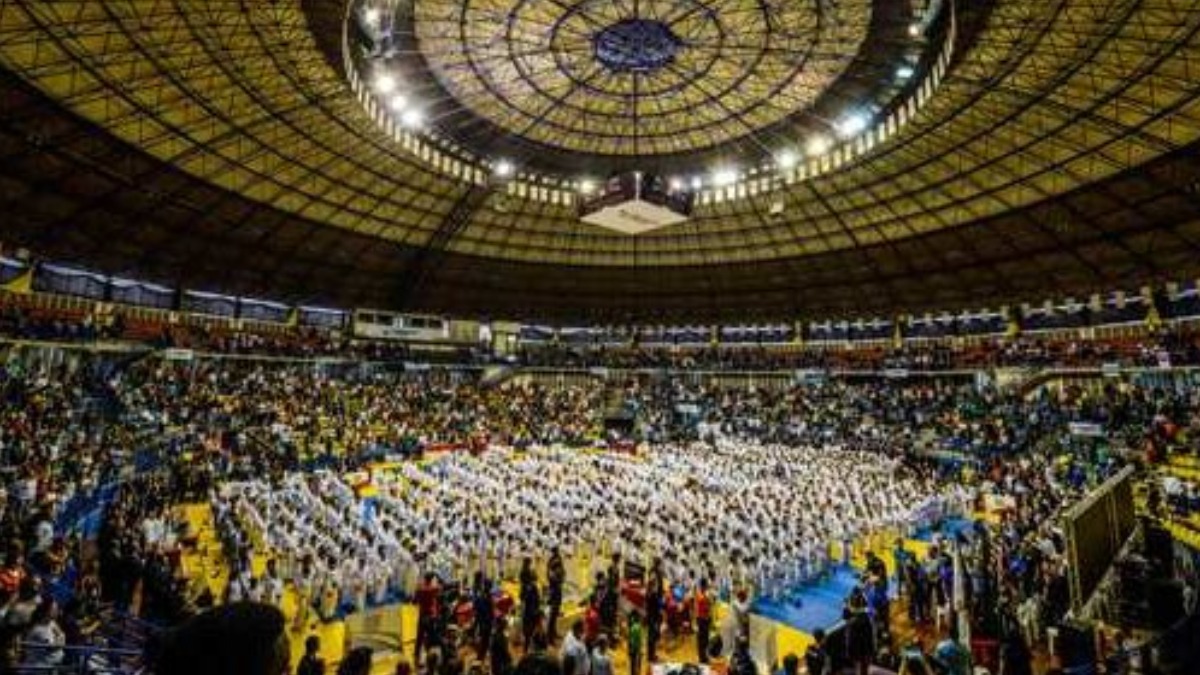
(812, 606)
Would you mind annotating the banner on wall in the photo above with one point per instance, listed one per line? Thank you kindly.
(1086, 429)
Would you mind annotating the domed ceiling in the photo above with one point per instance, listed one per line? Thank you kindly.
(223, 144)
(640, 77)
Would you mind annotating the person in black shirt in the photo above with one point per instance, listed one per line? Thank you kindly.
(311, 663)
(816, 659)
(484, 609)
(556, 574)
(612, 597)
(531, 610)
(499, 655)
(537, 661)
(860, 638)
(654, 609)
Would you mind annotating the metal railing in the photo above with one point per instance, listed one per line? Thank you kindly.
(79, 660)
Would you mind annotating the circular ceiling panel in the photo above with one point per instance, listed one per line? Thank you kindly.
(638, 77)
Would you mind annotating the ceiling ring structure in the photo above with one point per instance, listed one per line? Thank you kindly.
(216, 144)
(744, 78)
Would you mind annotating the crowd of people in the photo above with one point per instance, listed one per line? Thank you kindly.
(734, 488)
(760, 516)
(26, 317)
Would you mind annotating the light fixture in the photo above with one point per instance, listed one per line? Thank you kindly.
(786, 159)
(915, 30)
(697, 182)
(398, 102)
(675, 185)
(852, 125)
(817, 146)
(586, 186)
(503, 168)
(724, 176)
(371, 14)
(385, 83)
(904, 72)
(412, 118)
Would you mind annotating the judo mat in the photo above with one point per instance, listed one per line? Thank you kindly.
(811, 606)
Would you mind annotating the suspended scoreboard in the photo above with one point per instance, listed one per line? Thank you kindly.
(634, 203)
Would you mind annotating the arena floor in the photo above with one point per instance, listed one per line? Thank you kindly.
(789, 623)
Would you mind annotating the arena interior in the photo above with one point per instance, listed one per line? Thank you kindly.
(593, 337)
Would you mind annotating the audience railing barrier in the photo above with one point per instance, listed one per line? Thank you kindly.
(79, 660)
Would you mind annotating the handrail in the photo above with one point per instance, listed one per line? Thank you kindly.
(81, 649)
(82, 660)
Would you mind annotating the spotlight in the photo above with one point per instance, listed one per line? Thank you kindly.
(817, 146)
(904, 72)
(786, 159)
(724, 176)
(412, 118)
(385, 84)
(398, 102)
(503, 168)
(852, 125)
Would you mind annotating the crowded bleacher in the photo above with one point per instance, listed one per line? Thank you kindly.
(718, 491)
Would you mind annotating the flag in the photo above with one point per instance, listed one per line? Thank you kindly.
(21, 284)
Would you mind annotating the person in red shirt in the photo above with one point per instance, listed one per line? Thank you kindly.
(703, 605)
(591, 624)
(429, 600)
(13, 572)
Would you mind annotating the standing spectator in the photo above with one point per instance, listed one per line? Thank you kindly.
(703, 605)
(576, 650)
(601, 661)
(428, 613)
(634, 639)
(556, 574)
(816, 659)
(498, 654)
(654, 607)
(357, 662)
(538, 661)
(311, 663)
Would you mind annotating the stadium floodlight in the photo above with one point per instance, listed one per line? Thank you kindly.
(412, 118)
(852, 125)
(786, 158)
(503, 168)
(724, 176)
(817, 146)
(385, 83)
